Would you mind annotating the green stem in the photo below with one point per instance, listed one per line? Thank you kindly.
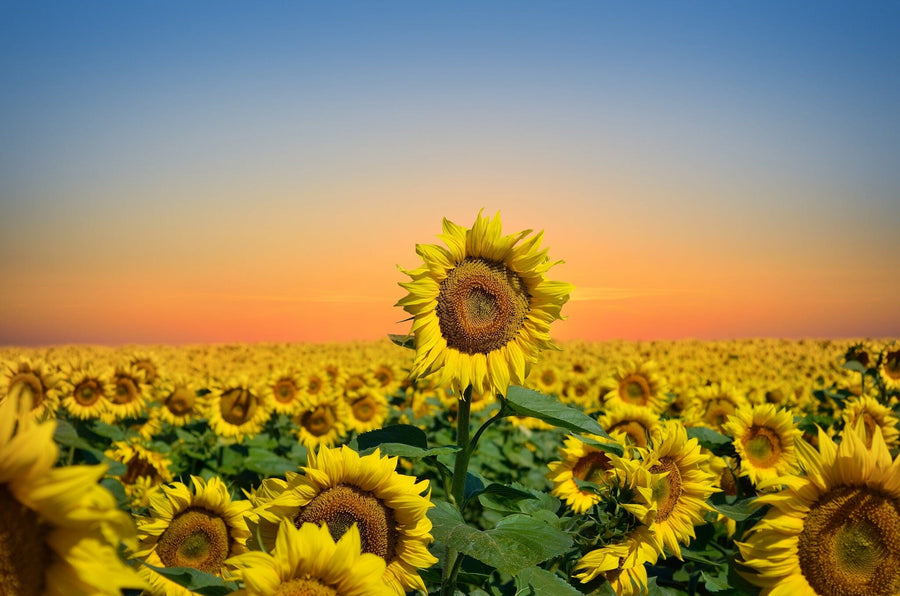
(457, 488)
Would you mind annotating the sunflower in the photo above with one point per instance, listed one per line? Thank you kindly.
(145, 469)
(713, 404)
(872, 414)
(835, 531)
(356, 384)
(307, 560)
(129, 394)
(368, 411)
(34, 383)
(636, 384)
(681, 489)
(322, 422)
(179, 399)
(339, 489)
(764, 439)
(200, 529)
(546, 378)
(636, 425)
(149, 363)
(581, 461)
(621, 563)
(387, 376)
(482, 307)
(59, 529)
(316, 382)
(582, 391)
(889, 370)
(237, 408)
(87, 390)
(284, 391)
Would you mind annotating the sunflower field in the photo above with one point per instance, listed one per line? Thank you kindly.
(473, 456)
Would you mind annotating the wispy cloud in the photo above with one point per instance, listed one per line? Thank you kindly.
(605, 293)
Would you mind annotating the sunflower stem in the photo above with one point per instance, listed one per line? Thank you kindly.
(457, 488)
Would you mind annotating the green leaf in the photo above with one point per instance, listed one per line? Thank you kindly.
(195, 580)
(408, 451)
(404, 341)
(854, 365)
(542, 582)
(107, 431)
(405, 434)
(66, 435)
(525, 402)
(267, 464)
(517, 542)
(708, 438)
(738, 511)
(715, 583)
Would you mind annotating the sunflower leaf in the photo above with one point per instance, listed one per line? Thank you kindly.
(195, 580)
(408, 451)
(534, 581)
(518, 541)
(405, 434)
(404, 341)
(525, 402)
(266, 463)
(712, 440)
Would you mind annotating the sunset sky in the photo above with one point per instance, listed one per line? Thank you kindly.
(176, 172)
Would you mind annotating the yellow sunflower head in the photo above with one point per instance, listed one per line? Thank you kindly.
(872, 414)
(713, 404)
(633, 425)
(621, 563)
(198, 528)
(835, 531)
(130, 392)
(582, 461)
(681, 486)
(481, 306)
(637, 384)
(179, 401)
(764, 439)
(87, 390)
(145, 470)
(341, 489)
(308, 561)
(238, 407)
(322, 421)
(889, 370)
(35, 383)
(284, 390)
(368, 411)
(59, 529)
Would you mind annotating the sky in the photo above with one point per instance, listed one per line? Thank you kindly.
(185, 172)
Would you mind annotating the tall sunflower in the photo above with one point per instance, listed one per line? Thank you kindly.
(309, 561)
(87, 390)
(59, 529)
(179, 399)
(872, 414)
(637, 384)
(129, 394)
(198, 528)
(238, 407)
(681, 489)
(764, 438)
(636, 425)
(338, 489)
(836, 531)
(481, 306)
(322, 420)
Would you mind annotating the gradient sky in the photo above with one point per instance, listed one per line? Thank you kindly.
(221, 171)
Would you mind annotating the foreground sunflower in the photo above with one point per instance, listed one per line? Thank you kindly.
(681, 489)
(581, 461)
(340, 489)
(481, 306)
(145, 469)
(59, 529)
(764, 438)
(200, 529)
(307, 561)
(836, 531)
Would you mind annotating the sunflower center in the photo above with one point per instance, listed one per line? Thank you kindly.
(87, 393)
(718, 412)
(774, 396)
(24, 554)
(384, 376)
(635, 389)
(238, 406)
(762, 446)
(666, 490)
(548, 377)
(196, 538)
(149, 369)
(140, 467)
(318, 421)
(27, 387)
(304, 587)
(126, 390)
(591, 466)
(285, 390)
(481, 306)
(342, 506)
(314, 385)
(850, 543)
(892, 364)
(635, 432)
(181, 401)
(364, 408)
